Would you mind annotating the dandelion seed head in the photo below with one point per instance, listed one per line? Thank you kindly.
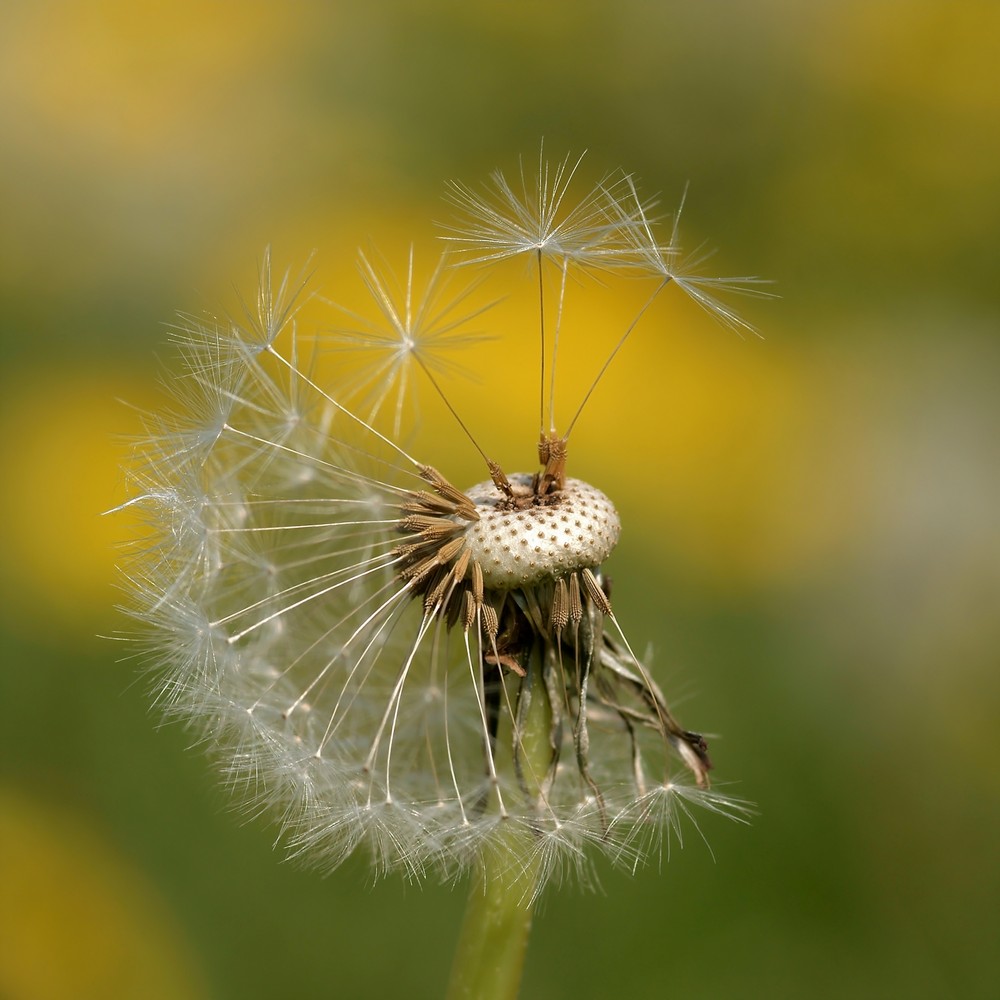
(380, 659)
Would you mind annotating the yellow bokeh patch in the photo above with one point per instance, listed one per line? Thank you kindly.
(78, 922)
(64, 448)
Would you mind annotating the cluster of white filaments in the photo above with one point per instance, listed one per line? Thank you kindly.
(386, 660)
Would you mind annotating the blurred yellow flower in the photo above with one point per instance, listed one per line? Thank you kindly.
(76, 921)
(62, 457)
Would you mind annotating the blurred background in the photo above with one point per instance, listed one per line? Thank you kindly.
(812, 540)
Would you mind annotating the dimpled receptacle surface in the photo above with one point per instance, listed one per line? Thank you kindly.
(576, 528)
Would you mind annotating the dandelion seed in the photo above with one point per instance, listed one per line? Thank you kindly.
(535, 215)
(672, 265)
(384, 659)
(411, 329)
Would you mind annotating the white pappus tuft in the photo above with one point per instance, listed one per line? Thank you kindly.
(384, 659)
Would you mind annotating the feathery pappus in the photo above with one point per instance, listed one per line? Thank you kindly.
(384, 658)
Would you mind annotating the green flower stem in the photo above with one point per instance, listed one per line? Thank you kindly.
(489, 958)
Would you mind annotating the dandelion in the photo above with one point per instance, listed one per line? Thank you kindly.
(386, 660)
